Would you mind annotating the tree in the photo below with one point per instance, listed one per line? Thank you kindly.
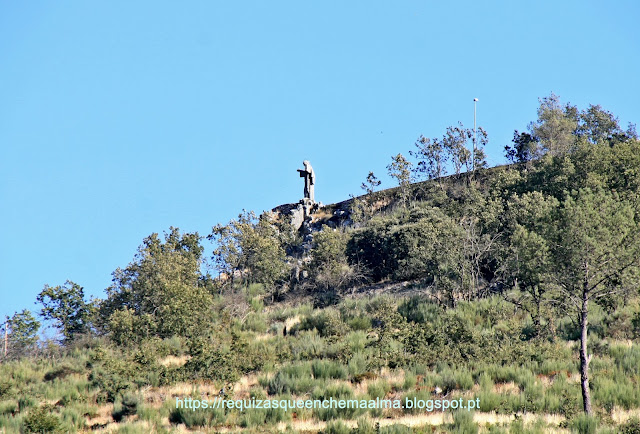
(526, 263)
(525, 148)
(595, 255)
(370, 186)
(329, 268)
(66, 306)
(454, 143)
(251, 247)
(400, 169)
(23, 334)
(161, 292)
(432, 158)
(555, 127)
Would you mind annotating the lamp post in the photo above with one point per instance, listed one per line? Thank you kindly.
(473, 154)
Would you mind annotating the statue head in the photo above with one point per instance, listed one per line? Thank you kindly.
(306, 163)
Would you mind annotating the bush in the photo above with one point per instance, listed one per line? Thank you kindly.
(364, 427)
(327, 323)
(337, 427)
(358, 365)
(5, 389)
(584, 424)
(418, 310)
(379, 389)
(307, 345)
(395, 429)
(360, 323)
(632, 426)
(41, 420)
(255, 323)
(463, 423)
(127, 407)
(8, 407)
(292, 379)
(61, 373)
(323, 369)
(339, 391)
(190, 418)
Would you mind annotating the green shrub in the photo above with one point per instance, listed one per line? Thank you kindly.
(127, 407)
(379, 389)
(252, 417)
(419, 395)
(584, 424)
(41, 420)
(360, 323)
(364, 427)
(133, 428)
(306, 345)
(323, 369)
(61, 372)
(632, 426)
(255, 323)
(327, 322)
(8, 407)
(489, 401)
(11, 424)
(463, 423)
(356, 341)
(190, 418)
(455, 379)
(338, 391)
(419, 310)
(292, 379)
(410, 381)
(395, 429)
(73, 417)
(5, 389)
(337, 427)
(358, 365)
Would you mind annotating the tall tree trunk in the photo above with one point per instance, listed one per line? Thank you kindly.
(584, 358)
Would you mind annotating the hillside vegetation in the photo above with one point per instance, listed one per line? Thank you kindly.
(515, 285)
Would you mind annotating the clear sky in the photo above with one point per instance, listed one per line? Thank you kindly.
(119, 119)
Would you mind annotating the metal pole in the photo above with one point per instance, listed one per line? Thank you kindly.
(473, 163)
(6, 337)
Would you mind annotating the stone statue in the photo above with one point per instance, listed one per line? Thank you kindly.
(309, 181)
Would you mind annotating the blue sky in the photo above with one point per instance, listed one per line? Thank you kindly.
(119, 119)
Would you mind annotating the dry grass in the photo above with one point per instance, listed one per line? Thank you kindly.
(507, 388)
(174, 361)
(620, 415)
(436, 419)
(290, 322)
(102, 417)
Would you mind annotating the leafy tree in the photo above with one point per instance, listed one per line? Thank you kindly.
(251, 247)
(370, 185)
(161, 293)
(600, 126)
(23, 334)
(400, 169)
(432, 158)
(595, 255)
(329, 267)
(555, 127)
(526, 262)
(525, 148)
(366, 206)
(66, 306)
(454, 143)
